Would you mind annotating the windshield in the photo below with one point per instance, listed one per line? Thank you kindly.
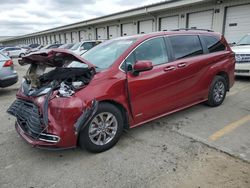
(245, 40)
(105, 54)
(76, 46)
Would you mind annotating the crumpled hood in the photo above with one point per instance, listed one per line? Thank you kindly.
(52, 58)
(67, 72)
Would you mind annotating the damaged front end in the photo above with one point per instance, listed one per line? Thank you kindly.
(46, 107)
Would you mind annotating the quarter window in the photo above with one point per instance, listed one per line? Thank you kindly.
(186, 46)
(213, 44)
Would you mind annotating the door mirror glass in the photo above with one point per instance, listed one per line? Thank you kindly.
(141, 66)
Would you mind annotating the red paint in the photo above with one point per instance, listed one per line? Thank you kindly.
(165, 89)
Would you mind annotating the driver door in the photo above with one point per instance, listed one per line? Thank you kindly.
(149, 89)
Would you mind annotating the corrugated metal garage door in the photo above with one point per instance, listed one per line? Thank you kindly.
(201, 20)
(146, 26)
(51, 41)
(62, 38)
(83, 35)
(101, 33)
(58, 38)
(169, 23)
(113, 31)
(68, 38)
(128, 29)
(87, 35)
(237, 22)
(75, 37)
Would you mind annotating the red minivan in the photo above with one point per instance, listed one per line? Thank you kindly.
(119, 84)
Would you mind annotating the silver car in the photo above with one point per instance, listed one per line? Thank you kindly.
(8, 76)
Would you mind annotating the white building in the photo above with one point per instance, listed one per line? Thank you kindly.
(229, 17)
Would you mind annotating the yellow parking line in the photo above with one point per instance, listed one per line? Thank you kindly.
(227, 129)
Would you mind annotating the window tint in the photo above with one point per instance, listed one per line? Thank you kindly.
(213, 44)
(186, 46)
(153, 50)
(9, 49)
(88, 45)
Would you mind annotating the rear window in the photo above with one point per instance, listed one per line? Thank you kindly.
(186, 46)
(213, 44)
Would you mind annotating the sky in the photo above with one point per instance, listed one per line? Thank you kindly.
(19, 17)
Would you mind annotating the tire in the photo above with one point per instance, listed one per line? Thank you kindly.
(21, 55)
(87, 138)
(217, 91)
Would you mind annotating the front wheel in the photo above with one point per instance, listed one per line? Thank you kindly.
(217, 92)
(104, 129)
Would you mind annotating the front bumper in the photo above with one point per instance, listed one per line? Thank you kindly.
(242, 69)
(39, 141)
(9, 81)
(59, 133)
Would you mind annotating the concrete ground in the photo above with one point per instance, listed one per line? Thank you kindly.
(197, 147)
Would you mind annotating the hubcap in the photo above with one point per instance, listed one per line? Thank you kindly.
(219, 91)
(103, 128)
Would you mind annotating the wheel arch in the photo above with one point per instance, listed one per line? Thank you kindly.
(122, 109)
(226, 77)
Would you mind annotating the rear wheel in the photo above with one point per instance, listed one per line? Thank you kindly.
(104, 129)
(217, 92)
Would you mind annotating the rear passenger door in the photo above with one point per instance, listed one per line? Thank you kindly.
(190, 63)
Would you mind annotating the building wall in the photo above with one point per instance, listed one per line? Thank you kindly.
(134, 22)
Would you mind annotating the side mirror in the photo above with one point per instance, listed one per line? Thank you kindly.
(81, 48)
(232, 44)
(141, 66)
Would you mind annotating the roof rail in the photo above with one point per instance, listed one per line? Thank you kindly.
(192, 29)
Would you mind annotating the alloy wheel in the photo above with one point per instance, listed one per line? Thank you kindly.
(103, 128)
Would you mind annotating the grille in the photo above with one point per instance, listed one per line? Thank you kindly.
(242, 71)
(242, 58)
(27, 115)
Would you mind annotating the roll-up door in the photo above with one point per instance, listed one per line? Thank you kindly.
(237, 22)
(101, 33)
(113, 31)
(146, 26)
(128, 29)
(201, 20)
(169, 23)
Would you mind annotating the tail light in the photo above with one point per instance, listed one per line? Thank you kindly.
(8, 63)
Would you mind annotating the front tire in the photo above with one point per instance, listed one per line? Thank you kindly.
(217, 91)
(104, 129)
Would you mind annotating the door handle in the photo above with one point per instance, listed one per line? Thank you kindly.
(180, 65)
(170, 68)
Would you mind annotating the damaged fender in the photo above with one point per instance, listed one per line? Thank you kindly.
(86, 116)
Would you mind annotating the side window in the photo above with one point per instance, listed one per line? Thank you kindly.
(87, 45)
(153, 50)
(186, 46)
(213, 44)
(10, 49)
